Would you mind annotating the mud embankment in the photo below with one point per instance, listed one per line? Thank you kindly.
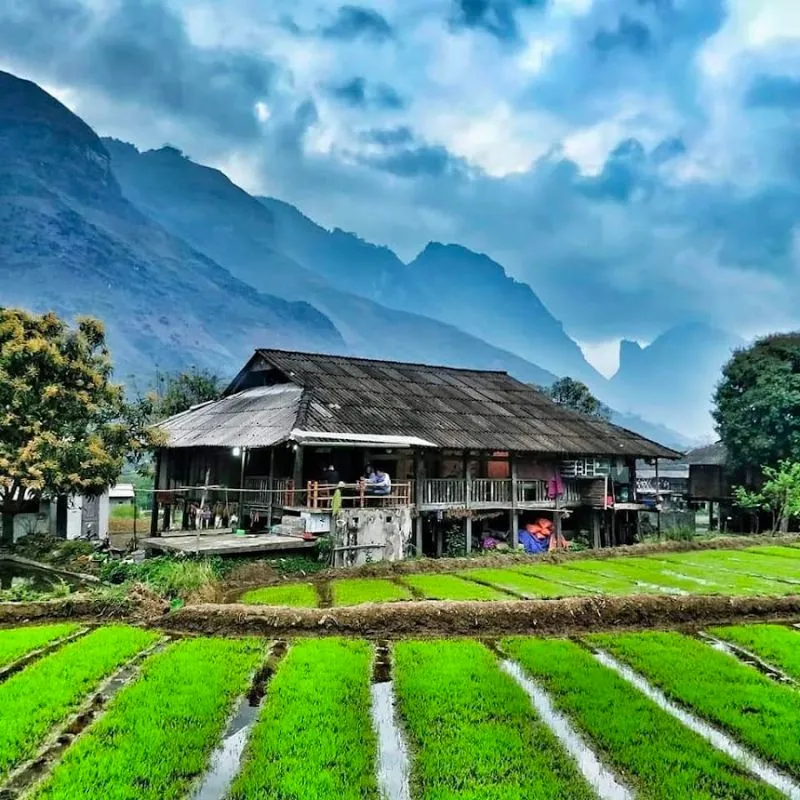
(435, 618)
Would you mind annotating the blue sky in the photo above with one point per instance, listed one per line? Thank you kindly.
(636, 161)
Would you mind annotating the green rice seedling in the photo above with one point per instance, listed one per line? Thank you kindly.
(517, 582)
(744, 562)
(660, 758)
(593, 578)
(762, 565)
(355, 591)
(651, 576)
(791, 552)
(635, 577)
(729, 581)
(314, 739)
(47, 692)
(451, 587)
(776, 644)
(18, 642)
(472, 729)
(290, 594)
(158, 733)
(559, 576)
(760, 713)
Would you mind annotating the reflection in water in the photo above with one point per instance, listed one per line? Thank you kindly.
(393, 764)
(225, 762)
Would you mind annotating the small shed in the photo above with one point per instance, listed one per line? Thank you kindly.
(709, 477)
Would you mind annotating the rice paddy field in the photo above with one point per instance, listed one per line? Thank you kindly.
(119, 712)
(769, 570)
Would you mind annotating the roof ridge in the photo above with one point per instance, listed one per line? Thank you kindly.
(265, 351)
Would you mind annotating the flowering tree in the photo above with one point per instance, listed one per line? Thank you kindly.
(63, 422)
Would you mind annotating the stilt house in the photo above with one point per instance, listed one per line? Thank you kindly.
(475, 450)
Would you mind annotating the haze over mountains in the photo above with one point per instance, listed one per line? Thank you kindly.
(186, 268)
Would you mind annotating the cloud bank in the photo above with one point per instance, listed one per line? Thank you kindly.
(636, 161)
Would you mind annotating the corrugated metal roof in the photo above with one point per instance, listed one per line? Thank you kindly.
(454, 408)
(257, 417)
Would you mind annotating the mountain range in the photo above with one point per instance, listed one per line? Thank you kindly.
(186, 268)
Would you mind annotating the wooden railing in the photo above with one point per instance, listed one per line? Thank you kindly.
(489, 492)
(358, 495)
(444, 492)
(494, 493)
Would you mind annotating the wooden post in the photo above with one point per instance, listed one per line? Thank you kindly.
(658, 510)
(557, 515)
(270, 486)
(596, 529)
(154, 509)
(514, 512)
(419, 480)
(241, 487)
(468, 500)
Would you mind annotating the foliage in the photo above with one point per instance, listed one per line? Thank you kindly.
(473, 730)
(28, 591)
(47, 692)
(299, 595)
(159, 732)
(314, 738)
(176, 392)
(760, 713)
(170, 577)
(63, 426)
(664, 759)
(576, 395)
(18, 642)
(757, 403)
(49, 549)
(776, 644)
(126, 511)
(779, 493)
(355, 591)
(451, 587)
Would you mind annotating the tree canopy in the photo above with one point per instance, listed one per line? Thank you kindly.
(63, 422)
(576, 395)
(757, 403)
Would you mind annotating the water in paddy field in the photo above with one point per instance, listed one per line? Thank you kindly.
(601, 779)
(783, 783)
(393, 764)
(226, 759)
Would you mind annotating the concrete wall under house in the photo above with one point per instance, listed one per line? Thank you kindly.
(371, 534)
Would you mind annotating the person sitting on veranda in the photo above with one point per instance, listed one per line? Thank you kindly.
(378, 482)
